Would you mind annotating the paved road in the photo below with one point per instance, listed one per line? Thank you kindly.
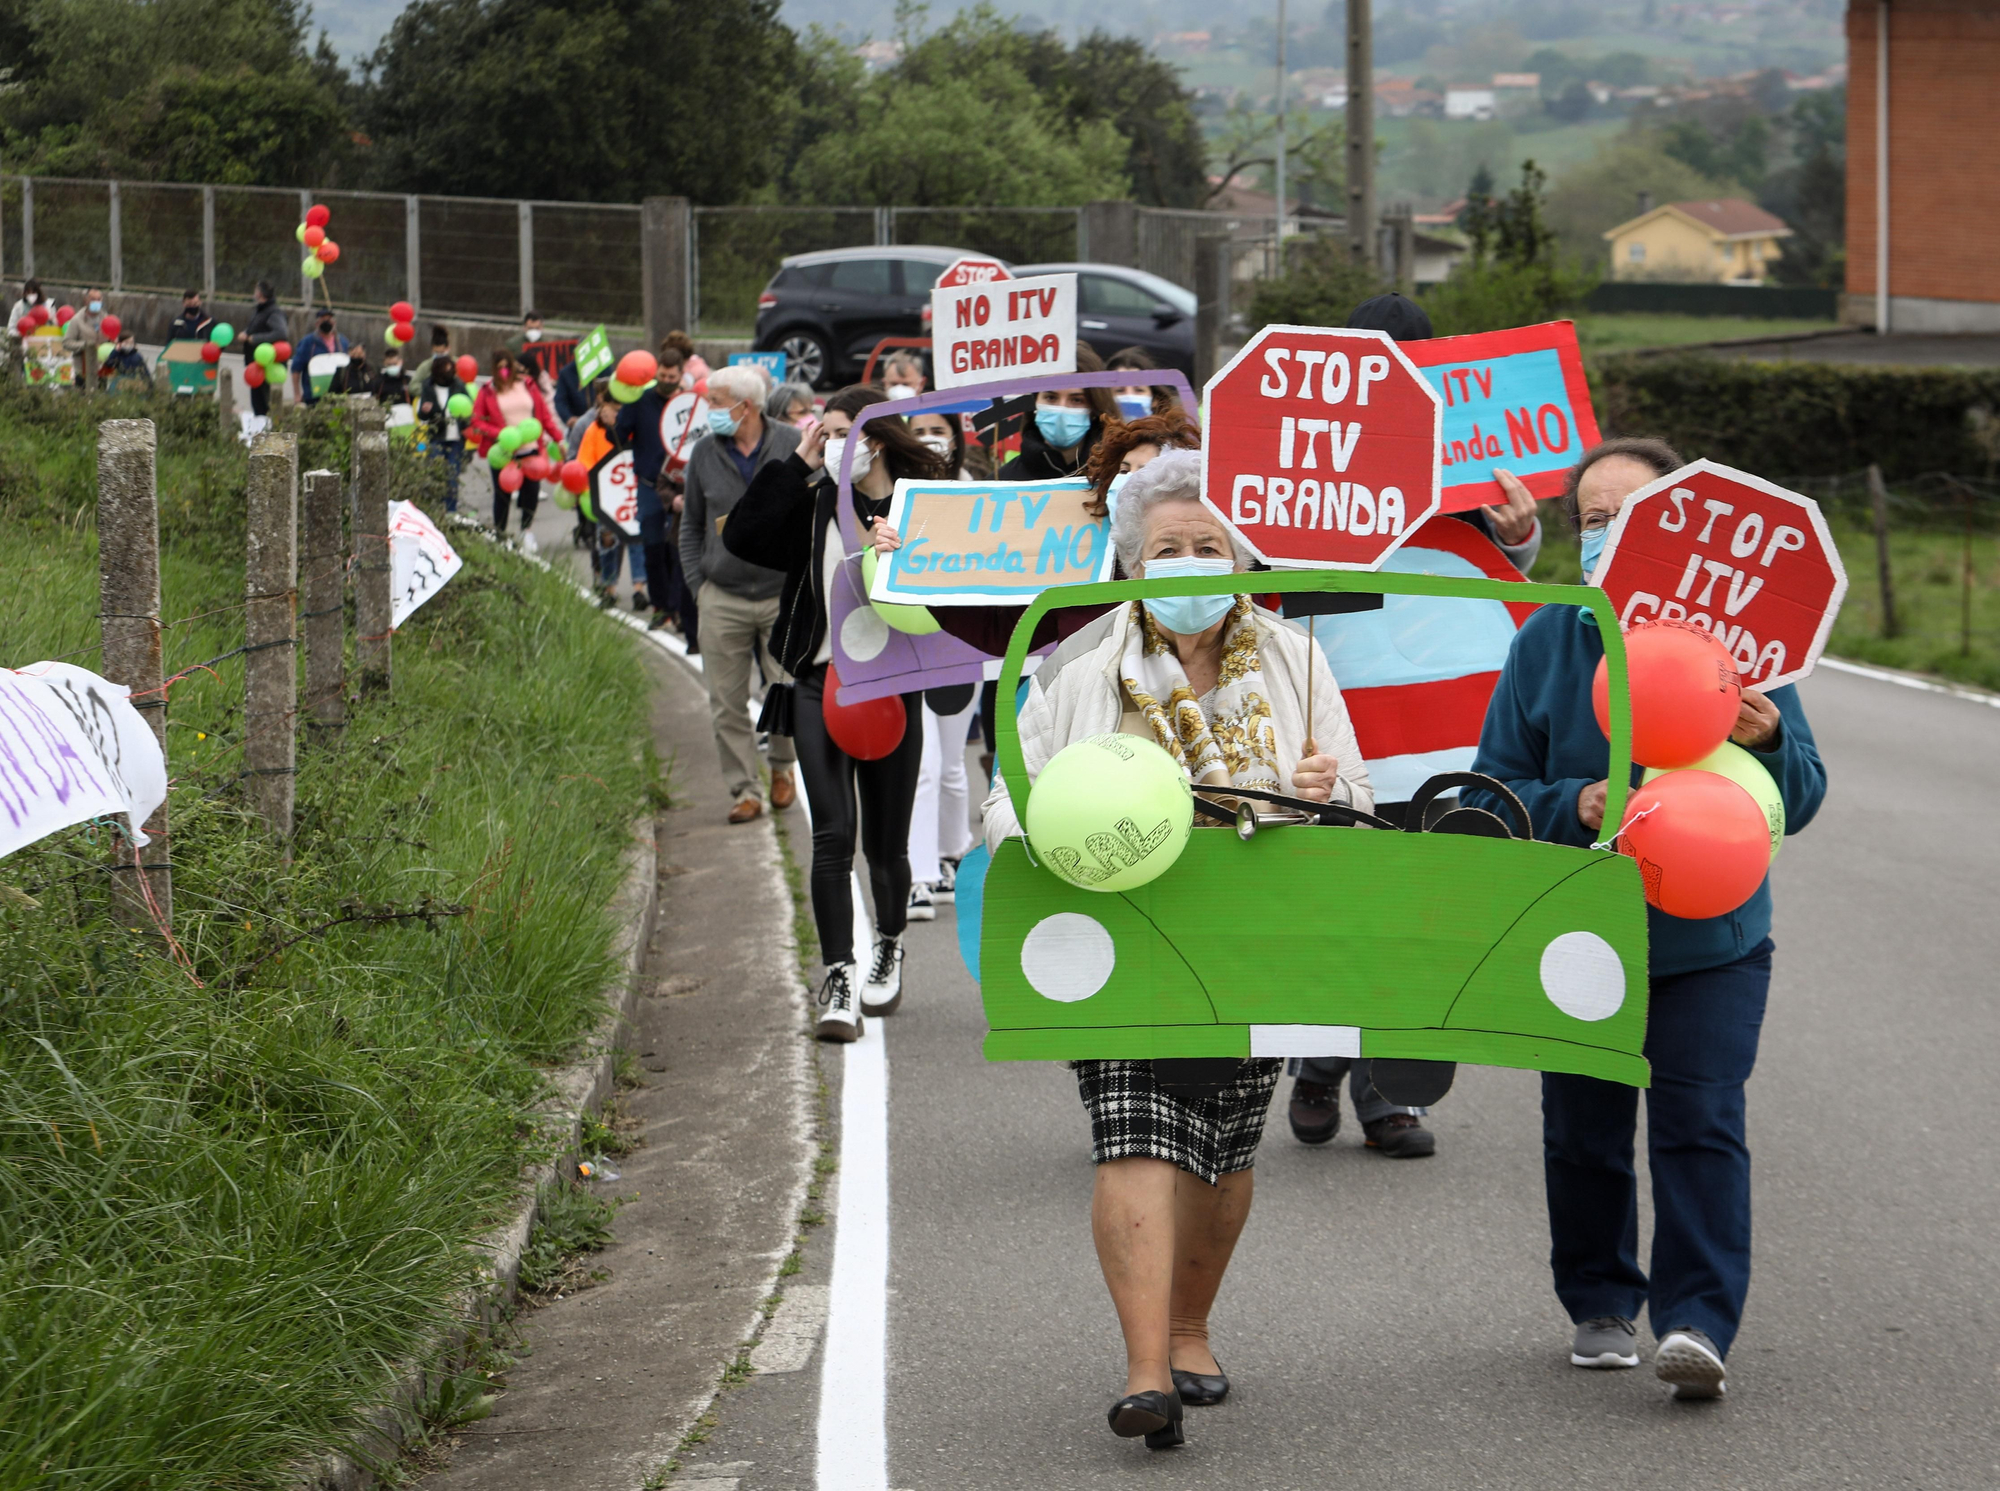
(1391, 1323)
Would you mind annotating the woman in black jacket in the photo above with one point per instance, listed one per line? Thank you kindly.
(789, 520)
(267, 324)
(1066, 427)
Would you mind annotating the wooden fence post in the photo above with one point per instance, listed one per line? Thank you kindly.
(225, 402)
(1878, 496)
(128, 578)
(323, 591)
(270, 630)
(371, 546)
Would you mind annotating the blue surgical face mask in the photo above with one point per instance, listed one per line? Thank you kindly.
(1111, 492)
(1134, 406)
(96, 306)
(1061, 427)
(1189, 615)
(721, 422)
(1593, 548)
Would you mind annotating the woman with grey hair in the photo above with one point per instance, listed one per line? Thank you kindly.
(789, 404)
(1221, 685)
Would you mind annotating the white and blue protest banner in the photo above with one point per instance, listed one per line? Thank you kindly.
(773, 363)
(991, 543)
(1514, 399)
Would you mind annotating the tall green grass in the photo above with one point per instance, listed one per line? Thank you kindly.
(227, 1207)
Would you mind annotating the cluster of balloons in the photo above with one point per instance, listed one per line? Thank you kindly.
(320, 250)
(506, 448)
(222, 334)
(1708, 820)
(267, 364)
(34, 320)
(633, 376)
(402, 331)
(1110, 812)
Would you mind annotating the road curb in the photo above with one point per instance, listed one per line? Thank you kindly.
(575, 1090)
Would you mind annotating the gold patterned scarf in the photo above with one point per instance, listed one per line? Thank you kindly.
(1225, 738)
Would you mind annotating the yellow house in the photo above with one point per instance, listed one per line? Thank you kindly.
(1723, 240)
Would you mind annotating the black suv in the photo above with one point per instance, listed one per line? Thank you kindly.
(826, 311)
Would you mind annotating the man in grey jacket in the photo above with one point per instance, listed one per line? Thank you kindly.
(739, 601)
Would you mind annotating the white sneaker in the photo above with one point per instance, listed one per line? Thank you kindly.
(883, 990)
(529, 543)
(922, 908)
(944, 891)
(1689, 1361)
(840, 1021)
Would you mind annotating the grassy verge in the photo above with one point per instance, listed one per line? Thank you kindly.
(237, 1193)
(1627, 331)
(1927, 573)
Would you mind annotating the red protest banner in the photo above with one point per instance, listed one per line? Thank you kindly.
(1516, 399)
(1739, 556)
(1321, 447)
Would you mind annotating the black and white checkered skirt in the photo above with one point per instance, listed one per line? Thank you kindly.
(1133, 1117)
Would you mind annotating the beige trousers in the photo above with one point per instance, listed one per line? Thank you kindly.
(733, 630)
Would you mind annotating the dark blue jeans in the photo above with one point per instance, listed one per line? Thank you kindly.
(1701, 1038)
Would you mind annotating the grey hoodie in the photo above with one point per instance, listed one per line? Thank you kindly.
(713, 487)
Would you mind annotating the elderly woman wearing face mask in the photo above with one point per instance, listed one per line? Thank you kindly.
(1221, 685)
(1708, 981)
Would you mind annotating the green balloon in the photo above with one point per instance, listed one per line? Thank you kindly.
(103, 350)
(499, 456)
(459, 406)
(222, 334)
(916, 621)
(301, 233)
(625, 393)
(1746, 771)
(312, 267)
(266, 354)
(1110, 812)
(275, 375)
(510, 439)
(531, 430)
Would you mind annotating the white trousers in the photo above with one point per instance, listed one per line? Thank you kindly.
(941, 821)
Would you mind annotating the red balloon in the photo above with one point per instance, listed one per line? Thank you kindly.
(318, 217)
(315, 236)
(404, 331)
(25, 325)
(871, 730)
(402, 310)
(63, 313)
(210, 352)
(282, 351)
(701, 387)
(468, 368)
(511, 479)
(535, 468)
(574, 477)
(40, 314)
(253, 374)
(112, 326)
(636, 369)
(328, 251)
(1685, 693)
(1702, 843)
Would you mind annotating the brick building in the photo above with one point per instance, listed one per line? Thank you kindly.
(1924, 153)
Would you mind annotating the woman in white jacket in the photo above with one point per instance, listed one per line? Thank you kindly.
(1221, 685)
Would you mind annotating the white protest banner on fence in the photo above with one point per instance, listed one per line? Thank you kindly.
(72, 748)
(1003, 329)
(421, 559)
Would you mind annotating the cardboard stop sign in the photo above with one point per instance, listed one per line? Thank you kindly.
(1735, 555)
(1321, 447)
(973, 271)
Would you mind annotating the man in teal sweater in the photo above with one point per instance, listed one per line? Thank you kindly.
(1708, 984)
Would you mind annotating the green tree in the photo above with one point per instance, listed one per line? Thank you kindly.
(595, 100)
(1514, 275)
(1321, 286)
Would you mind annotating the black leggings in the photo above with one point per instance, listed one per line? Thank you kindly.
(888, 790)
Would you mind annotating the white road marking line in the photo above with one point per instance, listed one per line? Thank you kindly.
(788, 1341)
(853, 1390)
(1909, 681)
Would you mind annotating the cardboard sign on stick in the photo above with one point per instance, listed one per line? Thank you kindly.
(991, 543)
(1321, 448)
(73, 747)
(421, 559)
(1516, 399)
(1010, 328)
(1734, 554)
(593, 356)
(683, 421)
(614, 490)
(972, 270)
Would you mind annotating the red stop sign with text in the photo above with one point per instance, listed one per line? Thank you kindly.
(973, 271)
(1321, 447)
(1729, 552)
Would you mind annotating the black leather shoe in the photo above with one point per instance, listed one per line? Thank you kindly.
(1400, 1136)
(1201, 1389)
(1314, 1111)
(1155, 1415)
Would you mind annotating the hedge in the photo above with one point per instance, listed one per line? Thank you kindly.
(1762, 302)
(1797, 418)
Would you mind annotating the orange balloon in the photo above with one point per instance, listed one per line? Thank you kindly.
(1702, 843)
(1685, 693)
(328, 251)
(315, 236)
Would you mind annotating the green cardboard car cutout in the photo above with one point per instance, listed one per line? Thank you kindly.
(1323, 938)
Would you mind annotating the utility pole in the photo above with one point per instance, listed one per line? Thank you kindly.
(1280, 233)
(1360, 133)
